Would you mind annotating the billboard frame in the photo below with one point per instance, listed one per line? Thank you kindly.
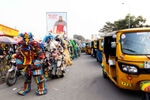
(47, 31)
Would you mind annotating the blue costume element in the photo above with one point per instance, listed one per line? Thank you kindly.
(47, 38)
(42, 46)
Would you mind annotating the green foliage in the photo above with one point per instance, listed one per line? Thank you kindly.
(135, 22)
(79, 37)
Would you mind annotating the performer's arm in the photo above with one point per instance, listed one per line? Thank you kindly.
(38, 51)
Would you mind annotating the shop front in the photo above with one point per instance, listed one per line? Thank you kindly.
(8, 31)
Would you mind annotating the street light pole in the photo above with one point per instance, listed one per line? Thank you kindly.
(129, 14)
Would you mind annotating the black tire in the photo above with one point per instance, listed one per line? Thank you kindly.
(97, 59)
(104, 74)
(91, 53)
(8, 78)
(61, 76)
(145, 96)
(50, 74)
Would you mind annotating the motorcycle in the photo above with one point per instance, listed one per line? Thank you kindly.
(12, 73)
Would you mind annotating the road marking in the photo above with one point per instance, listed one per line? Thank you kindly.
(14, 88)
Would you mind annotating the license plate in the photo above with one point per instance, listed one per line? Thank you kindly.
(147, 65)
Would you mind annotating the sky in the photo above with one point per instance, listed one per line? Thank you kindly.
(84, 17)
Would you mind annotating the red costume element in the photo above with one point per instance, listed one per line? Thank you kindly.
(28, 58)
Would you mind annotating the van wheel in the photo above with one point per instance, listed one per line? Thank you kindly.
(145, 96)
(104, 74)
(97, 60)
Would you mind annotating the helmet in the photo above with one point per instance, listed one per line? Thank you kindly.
(30, 36)
(26, 37)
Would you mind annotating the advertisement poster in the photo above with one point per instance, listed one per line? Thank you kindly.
(56, 22)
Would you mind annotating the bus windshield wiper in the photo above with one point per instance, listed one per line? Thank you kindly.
(129, 50)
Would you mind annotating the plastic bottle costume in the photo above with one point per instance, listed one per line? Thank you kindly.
(50, 47)
(74, 47)
(66, 51)
(49, 43)
(78, 48)
(28, 56)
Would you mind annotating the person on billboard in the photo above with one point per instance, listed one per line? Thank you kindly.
(59, 25)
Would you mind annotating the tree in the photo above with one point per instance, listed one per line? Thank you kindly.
(108, 27)
(87, 40)
(135, 22)
(79, 37)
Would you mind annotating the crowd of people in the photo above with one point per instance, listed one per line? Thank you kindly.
(6, 50)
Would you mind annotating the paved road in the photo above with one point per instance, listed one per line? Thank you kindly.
(83, 81)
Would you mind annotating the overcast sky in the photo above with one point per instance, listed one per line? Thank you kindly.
(85, 17)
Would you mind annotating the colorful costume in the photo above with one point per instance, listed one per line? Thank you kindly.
(74, 47)
(28, 58)
(49, 46)
(66, 51)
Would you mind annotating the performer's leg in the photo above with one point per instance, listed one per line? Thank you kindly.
(39, 79)
(41, 86)
(27, 79)
(27, 85)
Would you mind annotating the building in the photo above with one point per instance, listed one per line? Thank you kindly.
(8, 31)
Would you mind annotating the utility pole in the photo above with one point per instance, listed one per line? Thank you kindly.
(129, 14)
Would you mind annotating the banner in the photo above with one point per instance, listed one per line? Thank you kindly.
(8, 31)
(56, 22)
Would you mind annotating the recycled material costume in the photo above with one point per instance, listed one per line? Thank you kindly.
(50, 46)
(28, 56)
(66, 51)
(74, 47)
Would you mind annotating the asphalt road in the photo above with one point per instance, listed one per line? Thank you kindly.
(83, 81)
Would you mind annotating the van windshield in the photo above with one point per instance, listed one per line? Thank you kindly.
(83, 44)
(135, 43)
(95, 43)
(88, 44)
(102, 43)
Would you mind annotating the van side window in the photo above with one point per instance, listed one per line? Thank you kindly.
(107, 47)
(112, 50)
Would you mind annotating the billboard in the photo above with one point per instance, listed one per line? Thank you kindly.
(56, 22)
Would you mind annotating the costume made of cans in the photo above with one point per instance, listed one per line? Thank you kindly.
(50, 50)
(74, 47)
(66, 51)
(28, 58)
